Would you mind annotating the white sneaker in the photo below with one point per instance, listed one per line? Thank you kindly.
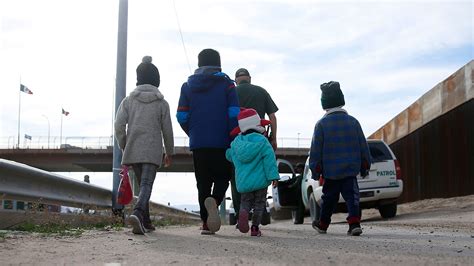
(213, 219)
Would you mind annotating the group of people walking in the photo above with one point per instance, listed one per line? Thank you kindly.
(231, 141)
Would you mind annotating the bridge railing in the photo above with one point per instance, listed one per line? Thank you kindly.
(105, 142)
(25, 183)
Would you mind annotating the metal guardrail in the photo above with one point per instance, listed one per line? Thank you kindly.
(105, 142)
(22, 182)
(25, 183)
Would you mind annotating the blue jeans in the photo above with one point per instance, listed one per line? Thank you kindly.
(145, 173)
(349, 189)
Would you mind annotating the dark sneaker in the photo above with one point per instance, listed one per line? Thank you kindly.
(354, 229)
(149, 227)
(255, 231)
(213, 219)
(317, 226)
(243, 221)
(136, 222)
(205, 230)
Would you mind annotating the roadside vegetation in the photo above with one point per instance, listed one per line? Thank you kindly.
(67, 230)
(38, 220)
(54, 229)
(3, 234)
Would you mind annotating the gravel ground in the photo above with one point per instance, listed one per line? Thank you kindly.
(429, 232)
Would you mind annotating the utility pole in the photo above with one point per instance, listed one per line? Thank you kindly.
(120, 90)
(19, 115)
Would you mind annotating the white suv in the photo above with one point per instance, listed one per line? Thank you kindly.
(380, 189)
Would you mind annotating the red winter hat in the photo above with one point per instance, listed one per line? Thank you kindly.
(249, 119)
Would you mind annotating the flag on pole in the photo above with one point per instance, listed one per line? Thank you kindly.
(66, 113)
(27, 137)
(25, 89)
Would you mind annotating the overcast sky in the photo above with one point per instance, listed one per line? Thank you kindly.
(385, 54)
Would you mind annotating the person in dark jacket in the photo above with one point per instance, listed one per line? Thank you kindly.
(207, 111)
(339, 152)
(255, 97)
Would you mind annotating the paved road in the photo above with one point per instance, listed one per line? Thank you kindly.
(428, 237)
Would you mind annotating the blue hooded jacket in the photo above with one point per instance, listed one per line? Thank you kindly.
(207, 110)
(254, 161)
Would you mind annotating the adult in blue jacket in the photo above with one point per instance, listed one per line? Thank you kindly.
(207, 111)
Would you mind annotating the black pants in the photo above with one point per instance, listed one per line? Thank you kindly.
(212, 171)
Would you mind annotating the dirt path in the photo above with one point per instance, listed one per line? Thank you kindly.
(439, 232)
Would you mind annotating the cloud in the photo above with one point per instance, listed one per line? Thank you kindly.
(379, 48)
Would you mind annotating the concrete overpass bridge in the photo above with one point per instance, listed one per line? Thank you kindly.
(94, 154)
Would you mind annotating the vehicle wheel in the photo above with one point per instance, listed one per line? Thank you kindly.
(232, 219)
(266, 218)
(388, 211)
(314, 208)
(298, 214)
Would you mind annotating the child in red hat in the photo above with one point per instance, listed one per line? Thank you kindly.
(255, 167)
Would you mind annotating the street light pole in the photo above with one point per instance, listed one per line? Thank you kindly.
(49, 128)
(120, 82)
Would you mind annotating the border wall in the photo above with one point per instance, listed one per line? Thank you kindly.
(433, 139)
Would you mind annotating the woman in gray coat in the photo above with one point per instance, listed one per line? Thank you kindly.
(147, 115)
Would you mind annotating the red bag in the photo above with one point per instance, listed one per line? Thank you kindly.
(124, 195)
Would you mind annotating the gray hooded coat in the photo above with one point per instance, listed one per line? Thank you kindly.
(147, 115)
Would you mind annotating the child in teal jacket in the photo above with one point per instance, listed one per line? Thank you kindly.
(255, 167)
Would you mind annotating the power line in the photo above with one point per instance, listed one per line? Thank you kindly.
(182, 39)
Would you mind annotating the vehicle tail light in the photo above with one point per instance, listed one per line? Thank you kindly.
(398, 170)
(321, 180)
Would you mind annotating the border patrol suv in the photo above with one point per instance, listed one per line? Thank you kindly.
(380, 189)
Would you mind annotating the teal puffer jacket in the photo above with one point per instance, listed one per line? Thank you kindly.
(254, 161)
